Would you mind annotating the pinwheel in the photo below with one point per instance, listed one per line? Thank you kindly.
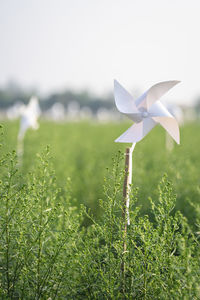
(146, 112)
(29, 117)
(30, 114)
(176, 112)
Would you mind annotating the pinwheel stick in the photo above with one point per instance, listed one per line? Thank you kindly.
(126, 196)
(20, 150)
(127, 183)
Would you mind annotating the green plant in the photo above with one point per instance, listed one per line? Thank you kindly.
(161, 261)
(37, 231)
(51, 249)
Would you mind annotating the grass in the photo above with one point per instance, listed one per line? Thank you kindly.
(46, 250)
(83, 151)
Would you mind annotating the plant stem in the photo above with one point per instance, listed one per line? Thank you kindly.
(39, 249)
(8, 235)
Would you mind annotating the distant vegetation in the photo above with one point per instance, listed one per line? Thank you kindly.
(12, 93)
(83, 151)
(76, 105)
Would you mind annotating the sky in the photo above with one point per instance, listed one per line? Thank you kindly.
(85, 44)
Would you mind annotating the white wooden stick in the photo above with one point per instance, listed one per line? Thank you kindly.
(126, 198)
(20, 150)
(129, 181)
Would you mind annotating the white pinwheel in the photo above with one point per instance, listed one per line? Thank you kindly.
(30, 114)
(146, 112)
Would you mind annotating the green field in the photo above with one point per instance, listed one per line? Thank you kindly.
(58, 241)
(83, 152)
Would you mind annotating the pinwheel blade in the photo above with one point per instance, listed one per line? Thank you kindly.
(170, 124)
(155, 93)
(137, 131)
(159, 110)
(124, 101)
(33, 106)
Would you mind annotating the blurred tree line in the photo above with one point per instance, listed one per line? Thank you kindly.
(13, 93)
(197, 106)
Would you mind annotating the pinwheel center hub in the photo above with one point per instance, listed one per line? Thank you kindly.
(145, 114)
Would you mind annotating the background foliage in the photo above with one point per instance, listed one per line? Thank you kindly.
(46, 250)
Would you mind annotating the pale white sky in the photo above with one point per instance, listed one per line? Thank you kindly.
(56, 44)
